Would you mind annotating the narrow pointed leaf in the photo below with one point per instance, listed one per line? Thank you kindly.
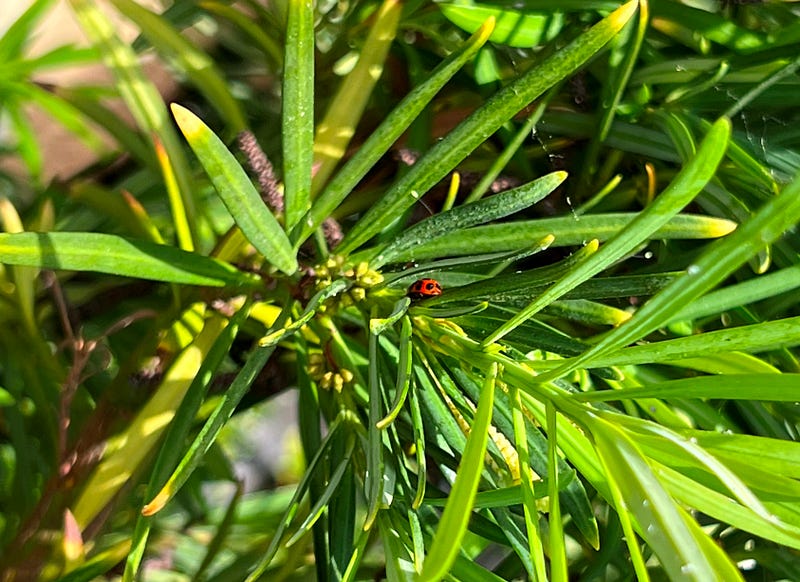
(768, 387)
(298, 109)
(759, 337)
(237, 192)
(739, 294)
(535, 546)
(403, 374)
(208, 434)
(558, 551)
(419, 442)
(322, 503)
(176, 434)
(313, 471)
(115, 255)
(567, 230)
(685, 447)
(722, 507)
(487, 210)
(455, 518)
(374, 477)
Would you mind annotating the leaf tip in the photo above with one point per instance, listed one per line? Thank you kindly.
(723, 125)
(177, 109)
(157, 504)
(161, 151)
(72, 544)
(186, 120)
(721, 227)
(621, 15)
(486, 29)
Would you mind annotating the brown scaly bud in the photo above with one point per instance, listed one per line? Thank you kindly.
(406, 156)
(260, 165)
(332, 232)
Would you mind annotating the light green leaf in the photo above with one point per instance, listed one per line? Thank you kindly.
(18, 35)
(513, 28)
(115, 255)
(661, 521)
(315, 467)
(775, 456)
(147, 107)
(127, 450)
(374, 478)
(739, 294)
(310, 310)
(62, 111)
(559, 570)
(697, 23)
(721, 507)
(680, 446)
(567, 230)
(455, 518)
(323, 501)
(26, 146)
(403, 374)
(179, 428)
(210, 431)
(759, 337)
(237, 192)
(768, 387)
(535, 546)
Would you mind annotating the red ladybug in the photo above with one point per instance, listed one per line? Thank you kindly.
(424, 289)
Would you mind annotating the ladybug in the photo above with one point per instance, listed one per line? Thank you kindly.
(424, 289)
